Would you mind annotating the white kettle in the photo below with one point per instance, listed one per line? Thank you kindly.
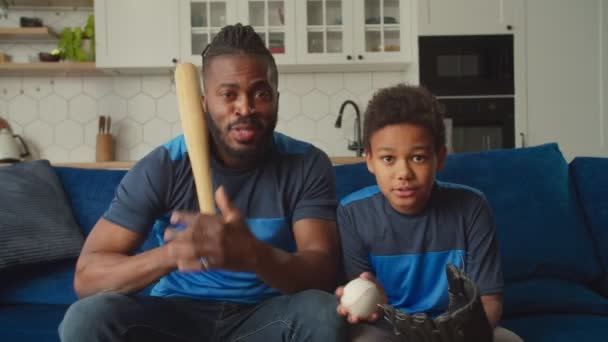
(10, 152)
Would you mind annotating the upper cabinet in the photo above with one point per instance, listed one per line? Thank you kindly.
(136, 33)
(443, 17)
(354, 32)
(274, 21)
(200, 21)
(335, 33)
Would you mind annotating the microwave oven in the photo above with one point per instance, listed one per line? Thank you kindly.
(467, 65)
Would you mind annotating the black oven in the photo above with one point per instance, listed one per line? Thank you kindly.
(480, 124)
(467, 65)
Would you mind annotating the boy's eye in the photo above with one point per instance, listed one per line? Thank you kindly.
(419, 158)
(387, 159)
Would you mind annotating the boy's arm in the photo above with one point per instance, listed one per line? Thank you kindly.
(355, 256)
(492, 304)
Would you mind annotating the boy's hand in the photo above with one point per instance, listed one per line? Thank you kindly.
(352, 318)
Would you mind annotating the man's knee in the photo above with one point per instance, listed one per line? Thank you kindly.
(91, 316)
(317, 310)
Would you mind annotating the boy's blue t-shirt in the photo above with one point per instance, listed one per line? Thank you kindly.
(295, 182)
(408, 253)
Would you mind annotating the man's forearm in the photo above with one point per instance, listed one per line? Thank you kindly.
(112, 272)
(292, 272)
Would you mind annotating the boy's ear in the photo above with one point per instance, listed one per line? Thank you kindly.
(368, 161)
(441, 156)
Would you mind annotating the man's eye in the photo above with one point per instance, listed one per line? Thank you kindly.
(387, 159)
(263, 94)
(228, 95)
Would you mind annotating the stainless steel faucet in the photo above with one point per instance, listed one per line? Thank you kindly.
(356, 145)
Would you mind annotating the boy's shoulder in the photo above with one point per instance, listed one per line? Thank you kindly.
(361, 195)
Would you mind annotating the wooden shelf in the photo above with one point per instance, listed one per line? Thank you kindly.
(27, 34)
(48, 68)
(49, 3)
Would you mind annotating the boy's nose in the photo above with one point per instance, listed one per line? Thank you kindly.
(404, 171)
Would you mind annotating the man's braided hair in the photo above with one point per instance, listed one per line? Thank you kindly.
(239, 39)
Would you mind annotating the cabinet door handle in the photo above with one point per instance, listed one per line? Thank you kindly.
(360, 57)
(174, 60)
(523, 139)
(509, 27)
(349, 57)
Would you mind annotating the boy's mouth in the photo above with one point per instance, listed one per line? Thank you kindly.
(404, 191)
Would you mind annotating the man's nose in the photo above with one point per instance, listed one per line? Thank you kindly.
(245, 105)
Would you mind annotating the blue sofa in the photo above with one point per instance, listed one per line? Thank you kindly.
(552, 220)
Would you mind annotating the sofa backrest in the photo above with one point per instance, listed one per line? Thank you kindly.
(590, 176)
(540, 228)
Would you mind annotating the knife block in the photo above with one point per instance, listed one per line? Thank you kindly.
(104, 148)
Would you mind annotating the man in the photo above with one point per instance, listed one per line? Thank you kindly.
(240, 274)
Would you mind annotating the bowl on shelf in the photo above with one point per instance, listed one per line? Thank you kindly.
(48, 57)
(30, 22)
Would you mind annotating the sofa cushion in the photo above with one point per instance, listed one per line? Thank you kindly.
(90, 192)
(591, 178)
(31, 323)
(548, 295)
(540, 228)
(36, 221)
(559, 327)
(51, 284)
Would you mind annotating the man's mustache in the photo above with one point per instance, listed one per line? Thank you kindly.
(247, 121)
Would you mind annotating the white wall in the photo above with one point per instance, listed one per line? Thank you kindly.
(58, 115)
(566, 53)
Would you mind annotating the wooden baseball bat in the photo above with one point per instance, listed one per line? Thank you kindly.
(188, 89)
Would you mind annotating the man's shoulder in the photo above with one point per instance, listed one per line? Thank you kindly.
(286, 145)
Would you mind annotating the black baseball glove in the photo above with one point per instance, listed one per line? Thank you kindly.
(464, 321)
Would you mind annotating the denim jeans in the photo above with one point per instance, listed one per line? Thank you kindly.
(305, 316)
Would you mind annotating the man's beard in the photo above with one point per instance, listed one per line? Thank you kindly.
(246, 155)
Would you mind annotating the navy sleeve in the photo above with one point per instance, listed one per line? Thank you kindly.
(483, 259)
(141, 195)
(355, 256)
(318, 195)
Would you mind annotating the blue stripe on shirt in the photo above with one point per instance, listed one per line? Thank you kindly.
(416, 282)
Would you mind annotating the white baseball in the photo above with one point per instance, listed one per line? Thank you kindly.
(360, 297)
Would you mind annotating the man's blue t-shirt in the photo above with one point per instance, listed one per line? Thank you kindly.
(408, 253)
(294, 182)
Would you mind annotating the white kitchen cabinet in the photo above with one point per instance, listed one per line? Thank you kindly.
(136, 33)
(464, 17)
(567, 60)
(355, 32)
(200, 21)
(274, 21)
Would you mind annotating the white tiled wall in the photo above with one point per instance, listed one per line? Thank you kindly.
(58, 116)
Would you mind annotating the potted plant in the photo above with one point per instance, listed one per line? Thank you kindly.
(78, 44)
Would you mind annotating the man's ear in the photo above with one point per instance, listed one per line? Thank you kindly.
(441, 156)
(368, 161)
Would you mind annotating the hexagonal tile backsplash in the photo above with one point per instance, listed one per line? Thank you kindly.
(57, 116)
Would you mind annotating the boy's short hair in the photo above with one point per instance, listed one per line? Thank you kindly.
(404, 104)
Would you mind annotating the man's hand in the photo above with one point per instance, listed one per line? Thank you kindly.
(354, 319)
(224, 241)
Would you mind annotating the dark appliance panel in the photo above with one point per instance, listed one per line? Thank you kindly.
(481, 124)
(467, 65)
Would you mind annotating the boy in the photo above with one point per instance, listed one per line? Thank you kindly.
(408, 227)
